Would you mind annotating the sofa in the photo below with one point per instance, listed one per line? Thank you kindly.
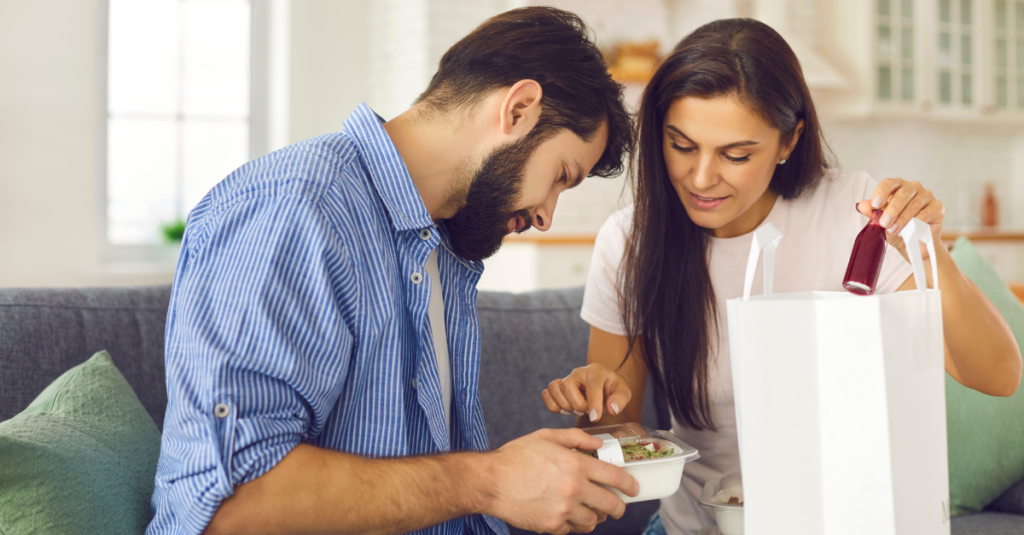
(527, 340)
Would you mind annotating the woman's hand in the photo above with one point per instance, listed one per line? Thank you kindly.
(588, 390)
(903, 201)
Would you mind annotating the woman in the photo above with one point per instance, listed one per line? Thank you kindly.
(728, 140)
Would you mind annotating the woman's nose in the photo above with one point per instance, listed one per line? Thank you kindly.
(706, 174)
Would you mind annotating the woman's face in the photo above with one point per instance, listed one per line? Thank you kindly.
(720, 157)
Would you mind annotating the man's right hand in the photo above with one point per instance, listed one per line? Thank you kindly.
(540, 484)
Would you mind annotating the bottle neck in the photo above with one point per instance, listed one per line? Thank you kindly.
(876, 217)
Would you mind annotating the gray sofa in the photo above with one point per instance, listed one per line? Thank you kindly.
(528, 339)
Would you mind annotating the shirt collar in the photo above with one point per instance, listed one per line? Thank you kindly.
(387, 170)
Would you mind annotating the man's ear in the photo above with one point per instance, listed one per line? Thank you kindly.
(793, 139)
(520, 109)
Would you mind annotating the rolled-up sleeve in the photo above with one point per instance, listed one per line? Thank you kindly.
(257, 348)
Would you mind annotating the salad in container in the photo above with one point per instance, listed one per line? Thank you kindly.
(725, 499)
(654, 458)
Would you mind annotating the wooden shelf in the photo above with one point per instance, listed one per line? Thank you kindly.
(542, 239)
(997, 235)
(977, 235)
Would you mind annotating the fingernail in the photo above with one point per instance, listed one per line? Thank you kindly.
(876, 202)
(565, 412)
(894, 228)
(593, 415)
(578, 413)
(886, 219)
(615, 407)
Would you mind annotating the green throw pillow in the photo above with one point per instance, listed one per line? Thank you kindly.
(80, 459)
(986, 434)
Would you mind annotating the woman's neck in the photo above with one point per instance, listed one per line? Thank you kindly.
(748, 221)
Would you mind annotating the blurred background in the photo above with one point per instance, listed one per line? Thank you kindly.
(116, 116)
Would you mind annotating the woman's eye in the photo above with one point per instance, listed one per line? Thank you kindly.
(565, 177)
(684, 150)
(736, 160)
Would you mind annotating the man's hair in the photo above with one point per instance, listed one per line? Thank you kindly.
(554, 48)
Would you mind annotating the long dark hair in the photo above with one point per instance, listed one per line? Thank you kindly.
(669, 306)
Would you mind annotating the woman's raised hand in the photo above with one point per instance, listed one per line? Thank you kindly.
(589, 390)
(903, 201)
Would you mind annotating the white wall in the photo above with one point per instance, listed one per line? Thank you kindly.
(50, 107)
(328, 64)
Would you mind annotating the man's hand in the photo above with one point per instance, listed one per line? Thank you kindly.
(588, 391)
(541, 485)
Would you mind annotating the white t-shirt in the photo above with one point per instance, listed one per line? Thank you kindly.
(435, 312)
(818, 229)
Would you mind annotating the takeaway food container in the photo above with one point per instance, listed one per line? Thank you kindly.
(716, 496)
(658, 477)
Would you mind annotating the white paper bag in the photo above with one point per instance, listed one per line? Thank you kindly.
(840, 405)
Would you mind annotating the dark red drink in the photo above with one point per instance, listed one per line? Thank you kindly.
(866, 259)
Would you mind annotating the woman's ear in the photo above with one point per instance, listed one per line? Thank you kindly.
(520, 109)
(793, 139)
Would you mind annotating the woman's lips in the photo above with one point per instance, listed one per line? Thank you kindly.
(706, 203)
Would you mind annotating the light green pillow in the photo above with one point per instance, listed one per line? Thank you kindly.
(80, 459)
(986, 434)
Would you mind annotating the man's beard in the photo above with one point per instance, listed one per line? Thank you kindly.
(478, 228)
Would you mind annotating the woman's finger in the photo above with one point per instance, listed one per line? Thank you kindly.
(617, 394)
(552, 405)
(897, 204)
(555, 391)
(595, 396)
(572, 391)
(884, 190)
(913, 209)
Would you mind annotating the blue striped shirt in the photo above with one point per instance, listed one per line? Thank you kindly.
(299, 315)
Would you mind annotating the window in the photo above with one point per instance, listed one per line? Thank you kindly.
(178, 109)
(955, 59)
(895, 50)
(1008, 54)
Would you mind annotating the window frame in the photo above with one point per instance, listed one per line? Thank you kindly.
(162, 257)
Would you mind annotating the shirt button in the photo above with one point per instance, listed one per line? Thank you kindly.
(425, 234)
(414, 384)
(221, 410)
(416, 278)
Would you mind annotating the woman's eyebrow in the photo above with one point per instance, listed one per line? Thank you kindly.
(723, 147)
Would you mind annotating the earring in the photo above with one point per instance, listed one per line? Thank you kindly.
(782, 161)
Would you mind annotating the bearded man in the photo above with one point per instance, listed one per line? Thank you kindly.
(322, 339)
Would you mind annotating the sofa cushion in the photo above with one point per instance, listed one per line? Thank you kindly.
(1011, 501)
(44, 332)
(988, 524)
(80, 459)
(986, 434)
(527, 340)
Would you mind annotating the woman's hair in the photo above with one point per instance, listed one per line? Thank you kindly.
(669, 309)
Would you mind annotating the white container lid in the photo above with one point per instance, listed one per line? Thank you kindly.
(633, 432)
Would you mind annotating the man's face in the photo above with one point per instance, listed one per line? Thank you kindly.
(517, 186)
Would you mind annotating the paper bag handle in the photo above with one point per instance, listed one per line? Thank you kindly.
(919, 231)
(766, 237)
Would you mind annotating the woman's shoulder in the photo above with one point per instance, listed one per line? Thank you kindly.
(842, 183)
(837, 189)
(619, 223)
(611, 238)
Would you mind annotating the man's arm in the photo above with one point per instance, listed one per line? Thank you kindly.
(534, 482)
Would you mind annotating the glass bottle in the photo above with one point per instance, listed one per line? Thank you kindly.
(866, 258)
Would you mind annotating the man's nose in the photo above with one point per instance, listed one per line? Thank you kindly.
(544, 213)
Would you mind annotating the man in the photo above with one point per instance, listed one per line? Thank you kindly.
(323, 345)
